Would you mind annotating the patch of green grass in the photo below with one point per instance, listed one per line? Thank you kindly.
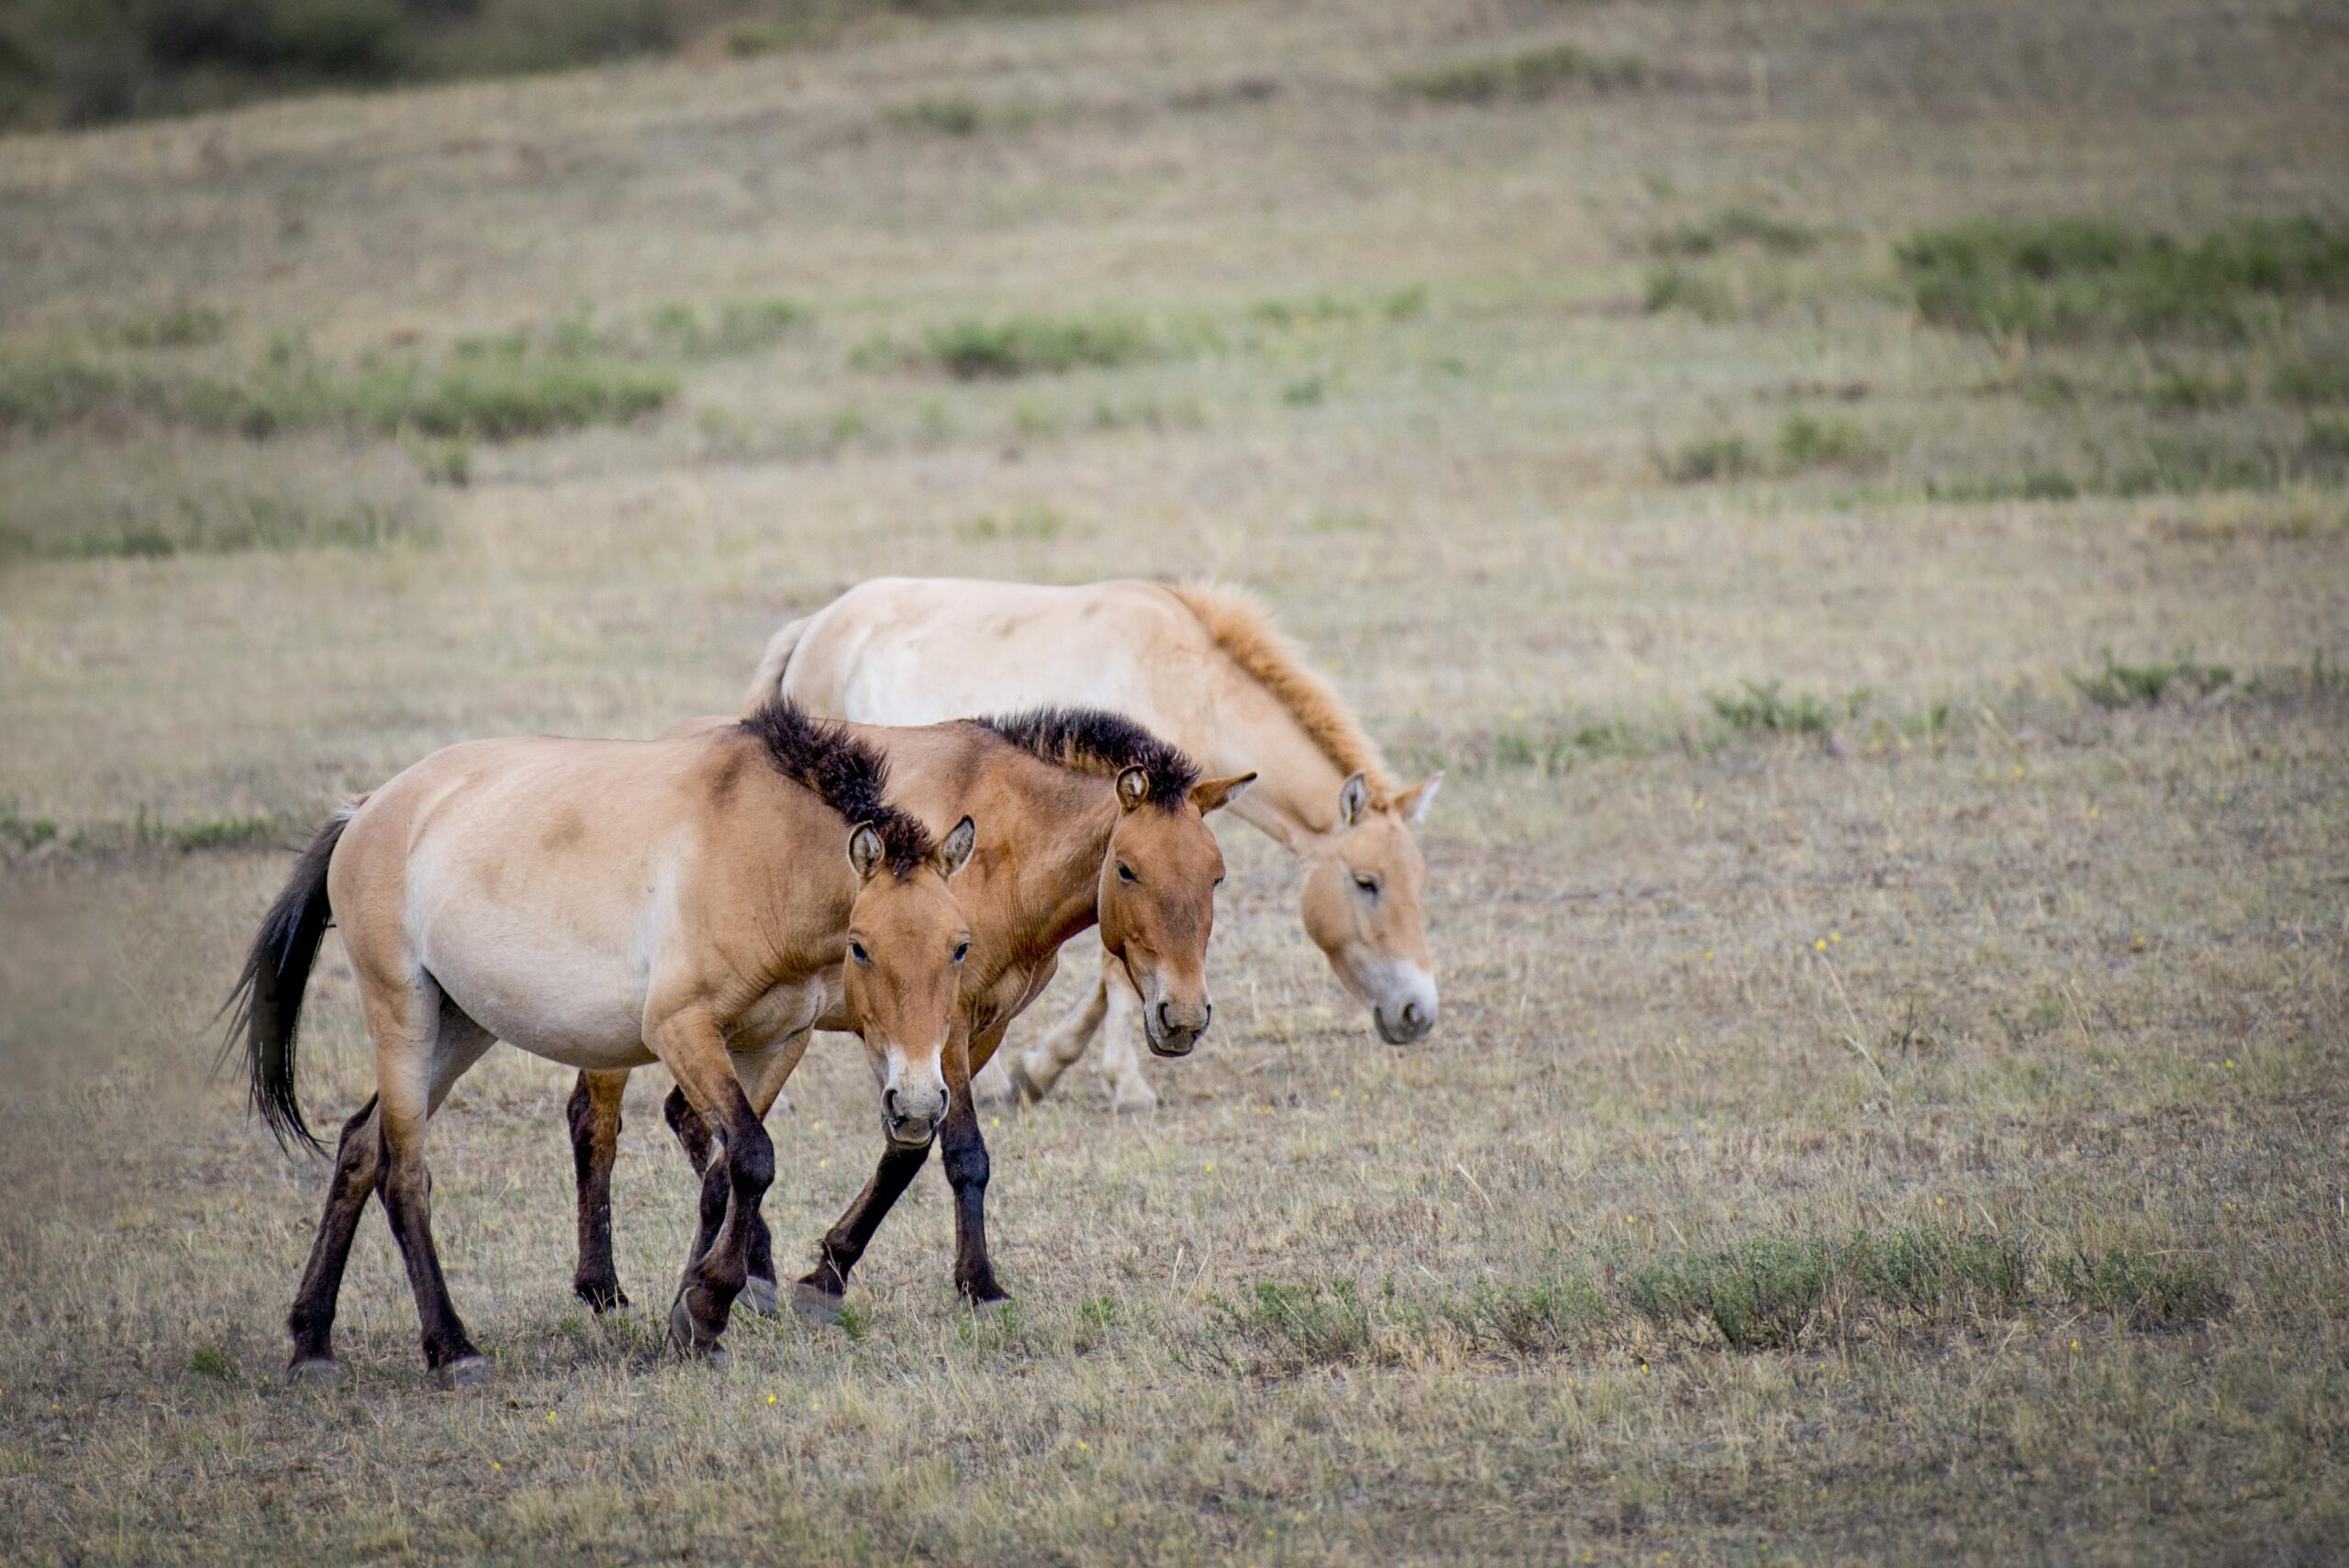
(501, 397)
(1034, 522)
(1808, 441)
(19, 832)
(1734, 227)
(1320, 1324)
(1761, 1294)
(1764, 708)
(208, 1360)
(1702, 294)
(1524, 77)
(1306, 392)
(1710, 458)
(2143, 685)
(1556, 1309)
(2076, 278)
(173, 326)
(2177, 390)
(729, 327)
(2034, 485)
(216, 524)
(956, 116)
(2312, 380)
(2148, 1291)
(1029, 345)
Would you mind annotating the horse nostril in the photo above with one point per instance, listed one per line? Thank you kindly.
(1165, 1018)
(890, 1104)
(1207, 1016)
(1412, 1015)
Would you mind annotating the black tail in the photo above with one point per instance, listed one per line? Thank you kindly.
(266, 1006)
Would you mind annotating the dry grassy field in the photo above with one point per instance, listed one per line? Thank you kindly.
(1851, 494)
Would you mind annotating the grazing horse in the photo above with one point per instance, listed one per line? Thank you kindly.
(1206, 669)
(1089, 820)
(604, 903)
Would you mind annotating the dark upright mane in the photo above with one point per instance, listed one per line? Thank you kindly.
(1093, 741)
(845, 773)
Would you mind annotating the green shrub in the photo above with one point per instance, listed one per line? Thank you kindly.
(1761, 1294)
(1299, 1325)
(2312, 380)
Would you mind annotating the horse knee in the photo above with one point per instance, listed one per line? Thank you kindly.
(750, 1159)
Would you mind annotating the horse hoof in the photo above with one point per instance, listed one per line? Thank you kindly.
(758, 1295)
(810, 1305)
(314, 1372)
(601, 1299)
(1130, 1101)
(465, 1372)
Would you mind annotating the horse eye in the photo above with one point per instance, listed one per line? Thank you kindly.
(1126, 873)
(856, 951)
(1367, 883)
(962, 950)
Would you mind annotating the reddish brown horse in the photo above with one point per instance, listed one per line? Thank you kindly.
(604, 904)
(1088, 818)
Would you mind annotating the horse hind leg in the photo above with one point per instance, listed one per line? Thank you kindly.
(358, 1165)
(310, 1323)
(1033, 1072)
(1130, 1092)
(422, 1046)
(594, 1115)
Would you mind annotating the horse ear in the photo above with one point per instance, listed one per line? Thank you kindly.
(1413, 803)
(1209, 795)
(1352, 795)
(865, 850)
(1134, 787)
(956, 850)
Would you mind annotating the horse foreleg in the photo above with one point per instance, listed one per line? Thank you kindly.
(817, 1294)
(595, 1117)
(966, 1171)
(690, 1045)
(764, 1073)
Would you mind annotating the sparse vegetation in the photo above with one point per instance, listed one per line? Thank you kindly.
(2075, 278)
(1031, 345)
(2130, 686)
(2146, 1290)
(2313, 380)
(1762, 707)
(1734, 227)
(1525, 77)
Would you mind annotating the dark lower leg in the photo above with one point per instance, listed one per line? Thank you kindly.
(845, 1242)
(595, 1117)
(311, 1321)
(405, 1188)
(966, 1172)
(732, 1189)
(692, 1136)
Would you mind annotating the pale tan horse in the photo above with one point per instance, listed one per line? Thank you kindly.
(1089, 820)
(605, 904)
(1202, 667)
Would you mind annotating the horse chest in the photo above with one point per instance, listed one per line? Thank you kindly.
(785, 1009)
(1009, 995)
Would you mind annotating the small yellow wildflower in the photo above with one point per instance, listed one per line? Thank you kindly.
(770, 1398)
(1834, 936)
(1820, 945)
(2230, 1064)
(496, 1465)
(1083, 1446)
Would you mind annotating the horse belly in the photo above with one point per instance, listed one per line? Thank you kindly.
(545, 990)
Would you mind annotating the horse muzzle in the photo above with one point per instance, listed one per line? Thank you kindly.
(1173, 1031)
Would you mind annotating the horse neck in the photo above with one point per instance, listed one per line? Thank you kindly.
(1054, 887)
(1294, 797)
